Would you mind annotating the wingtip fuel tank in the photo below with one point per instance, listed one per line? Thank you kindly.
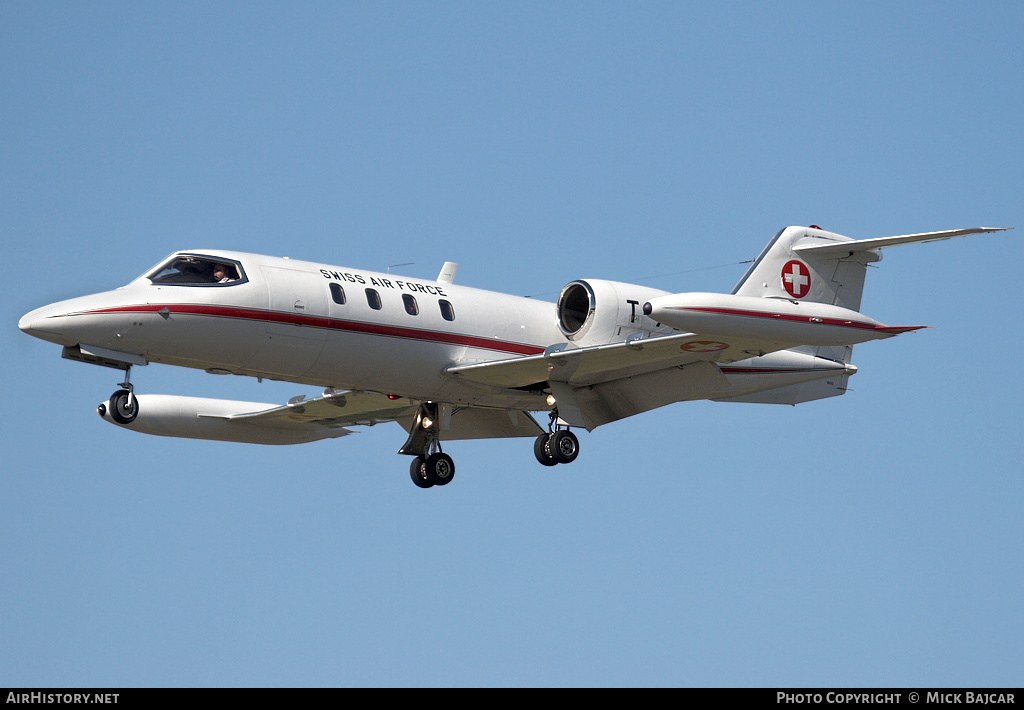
(215, 419)
(775, 319)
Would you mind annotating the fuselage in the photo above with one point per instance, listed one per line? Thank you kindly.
(352, 329)
(308, 323)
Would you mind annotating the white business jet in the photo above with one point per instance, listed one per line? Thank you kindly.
(449, 362)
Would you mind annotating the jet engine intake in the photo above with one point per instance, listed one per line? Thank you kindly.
(594, 311)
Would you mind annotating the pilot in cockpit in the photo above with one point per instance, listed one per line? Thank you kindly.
(222, 274)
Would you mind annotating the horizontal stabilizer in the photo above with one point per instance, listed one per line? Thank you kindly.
(859, 245)
(789, 377)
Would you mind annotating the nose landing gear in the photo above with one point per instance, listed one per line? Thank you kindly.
(559, 445)
(123, 406)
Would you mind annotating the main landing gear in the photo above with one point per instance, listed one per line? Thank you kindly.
(430, 466)
(123, 406)
(437, 469)
(559, 445)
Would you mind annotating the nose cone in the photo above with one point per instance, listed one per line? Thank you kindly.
(45, 322)
(25, 324)
(66, 322)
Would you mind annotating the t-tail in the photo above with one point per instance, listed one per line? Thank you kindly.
(812, 265)
(808, 265)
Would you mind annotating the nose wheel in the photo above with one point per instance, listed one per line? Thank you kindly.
(558, 445)
(123, 405)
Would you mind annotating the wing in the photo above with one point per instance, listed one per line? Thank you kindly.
(599, 384)
(299, 421)
(581, 367)
(334, 409)
(337, 409)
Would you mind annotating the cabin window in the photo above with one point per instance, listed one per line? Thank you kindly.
(197, 270)
(411, 307)
(447, 310)
(373, 298)
(338, 293)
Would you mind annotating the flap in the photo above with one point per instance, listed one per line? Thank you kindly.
(339, 409)
(334, 408)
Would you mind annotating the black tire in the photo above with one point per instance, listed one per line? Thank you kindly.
(542, 450)
(418, 473)
(124, 407)
(440, 469)
(565, 447)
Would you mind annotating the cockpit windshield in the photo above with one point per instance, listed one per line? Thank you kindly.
(197, 270)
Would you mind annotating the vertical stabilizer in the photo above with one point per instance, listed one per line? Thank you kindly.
(781, 271)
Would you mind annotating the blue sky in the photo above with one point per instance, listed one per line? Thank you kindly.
(868, 540)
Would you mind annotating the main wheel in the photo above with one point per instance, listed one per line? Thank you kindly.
(418, 473)
(542, 450)
(124, 407)
(440, 469)
(565, 447)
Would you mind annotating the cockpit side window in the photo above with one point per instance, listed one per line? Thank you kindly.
(197, 270)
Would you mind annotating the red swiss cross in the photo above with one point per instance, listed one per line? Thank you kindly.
(796, 279)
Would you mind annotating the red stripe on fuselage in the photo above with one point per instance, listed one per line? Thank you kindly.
(390, 331)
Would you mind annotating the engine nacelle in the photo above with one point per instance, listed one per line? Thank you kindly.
(773, 319)
(201, 418)
(594, 312)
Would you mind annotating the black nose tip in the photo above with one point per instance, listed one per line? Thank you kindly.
(647, 308)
